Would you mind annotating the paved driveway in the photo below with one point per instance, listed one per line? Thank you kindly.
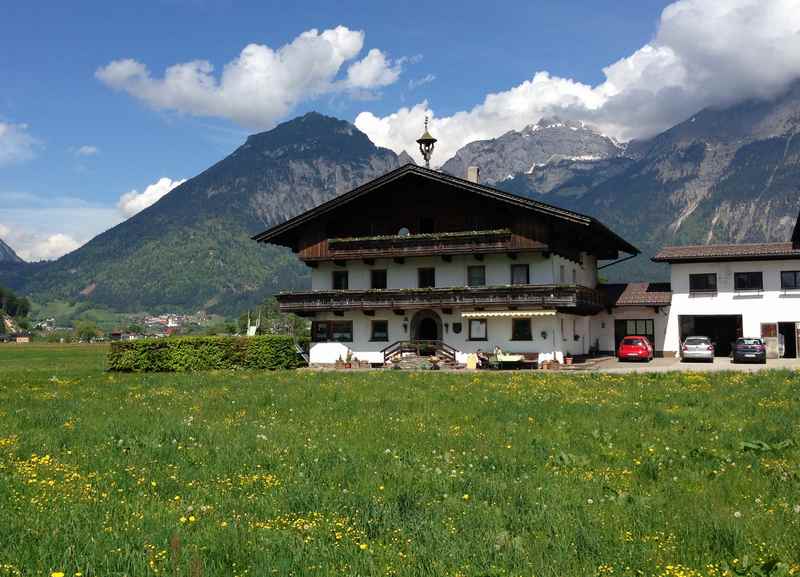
(672, 364)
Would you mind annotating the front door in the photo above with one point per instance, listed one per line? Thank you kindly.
(426, 325)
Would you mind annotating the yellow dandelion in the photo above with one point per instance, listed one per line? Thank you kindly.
(192, 518)
(57, 574)
(465, 497)
(363, 546)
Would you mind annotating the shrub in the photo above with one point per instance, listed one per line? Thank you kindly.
(204, 353)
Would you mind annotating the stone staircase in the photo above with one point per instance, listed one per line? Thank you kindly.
(414, 362)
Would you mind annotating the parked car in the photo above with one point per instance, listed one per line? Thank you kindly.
(697, 349)
(750, 350)
(635, 348)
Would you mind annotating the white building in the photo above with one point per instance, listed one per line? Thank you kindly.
(729, 291)
(420, 259)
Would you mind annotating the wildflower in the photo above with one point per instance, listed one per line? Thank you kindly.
(590, 501)
(465, 497)
(183, 519)
(192, 518)
(737, 514)
(57, 574)
(363, 546)
(796, 508)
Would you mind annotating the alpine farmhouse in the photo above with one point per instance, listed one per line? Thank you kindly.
(422, 259)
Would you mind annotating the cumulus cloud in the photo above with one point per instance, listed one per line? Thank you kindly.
(704, 53)
(86, 150)
(16, 143)
(134, 201)
(262, 84)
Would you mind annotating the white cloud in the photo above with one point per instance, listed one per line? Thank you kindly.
(704, 53)
(134, 201)
(415, 83)
(16, 144)
(87, 150)
(261, 85)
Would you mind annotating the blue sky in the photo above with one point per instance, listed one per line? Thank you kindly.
(78, 132)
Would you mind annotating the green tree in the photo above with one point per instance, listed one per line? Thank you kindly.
(86, 330)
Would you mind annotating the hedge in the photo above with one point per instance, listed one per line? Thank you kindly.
(204, 353)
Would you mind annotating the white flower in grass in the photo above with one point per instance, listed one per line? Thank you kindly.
(737, 514)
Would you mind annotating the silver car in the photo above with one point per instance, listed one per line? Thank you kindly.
(697, 349)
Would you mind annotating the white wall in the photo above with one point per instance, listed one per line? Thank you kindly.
(602, 325)
(555, 343)
(768, 306)
(454, 273)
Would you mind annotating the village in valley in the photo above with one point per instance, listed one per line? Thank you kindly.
(396, 302)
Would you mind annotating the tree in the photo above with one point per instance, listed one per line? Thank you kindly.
(86, 330)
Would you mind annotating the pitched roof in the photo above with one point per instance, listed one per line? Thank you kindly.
(652, 294)
(723, 252)
(273, 233)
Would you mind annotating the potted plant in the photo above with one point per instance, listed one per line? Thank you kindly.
(339, 363)
(348, 361)
(567, 359)
(434, 360)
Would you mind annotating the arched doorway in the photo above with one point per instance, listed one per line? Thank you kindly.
(426, 325)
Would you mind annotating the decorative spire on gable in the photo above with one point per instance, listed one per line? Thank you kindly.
(426, 142)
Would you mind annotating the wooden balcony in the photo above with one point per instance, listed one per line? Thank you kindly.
(568, 298)
(396, 246)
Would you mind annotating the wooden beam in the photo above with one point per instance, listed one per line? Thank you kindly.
(447, 311)
(340, 262)
(369, 313)
(399, 312)
(311, 264)
(338, 313)
(447, 258)
(512, 255)
(478, 257)
(399, 260)
(369, 261)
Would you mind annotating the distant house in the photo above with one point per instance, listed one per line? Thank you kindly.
(22, 338)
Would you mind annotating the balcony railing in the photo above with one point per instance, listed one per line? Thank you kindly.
(573, 297)
(470, 242)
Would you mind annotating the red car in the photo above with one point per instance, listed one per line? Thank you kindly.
(635, 348)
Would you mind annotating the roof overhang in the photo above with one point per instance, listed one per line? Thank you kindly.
(275, 234)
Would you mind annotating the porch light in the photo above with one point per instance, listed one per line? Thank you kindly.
(426, 142)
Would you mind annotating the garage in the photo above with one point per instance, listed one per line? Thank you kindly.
(789, 332)
(721, 329)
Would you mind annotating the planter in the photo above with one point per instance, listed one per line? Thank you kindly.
(348, 365)
(567, 360)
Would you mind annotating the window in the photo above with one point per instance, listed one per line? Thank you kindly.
(426, 277)
(574, 276)
(476, 275)
(377, 279)
(332, 331)
(520, 274)
(340, 280)
(426, 225)
(790, 279)
(562, 275)
(634, 327)
(477, 330)
(703, 283)
(748, 281)
(380, 331)
(521, 330)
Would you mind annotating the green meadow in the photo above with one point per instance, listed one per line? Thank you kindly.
(391, 473)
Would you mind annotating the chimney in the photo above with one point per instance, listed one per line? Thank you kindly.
(473, 174)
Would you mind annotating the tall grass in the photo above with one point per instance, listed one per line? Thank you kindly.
(390, 473)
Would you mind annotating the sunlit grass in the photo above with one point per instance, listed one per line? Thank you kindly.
(386, 473)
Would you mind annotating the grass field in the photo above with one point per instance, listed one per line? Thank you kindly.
(376, 473)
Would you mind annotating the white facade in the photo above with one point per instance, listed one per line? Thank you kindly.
(771, 305)
(552, 334)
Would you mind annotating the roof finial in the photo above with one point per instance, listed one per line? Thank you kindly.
(426, 142)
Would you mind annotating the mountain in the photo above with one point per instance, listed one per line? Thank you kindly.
(523, 151)
(191, 250)
(7, 254)
(724, 175)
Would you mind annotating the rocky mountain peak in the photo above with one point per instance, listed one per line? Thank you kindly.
(7, 253)
(551, 139)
